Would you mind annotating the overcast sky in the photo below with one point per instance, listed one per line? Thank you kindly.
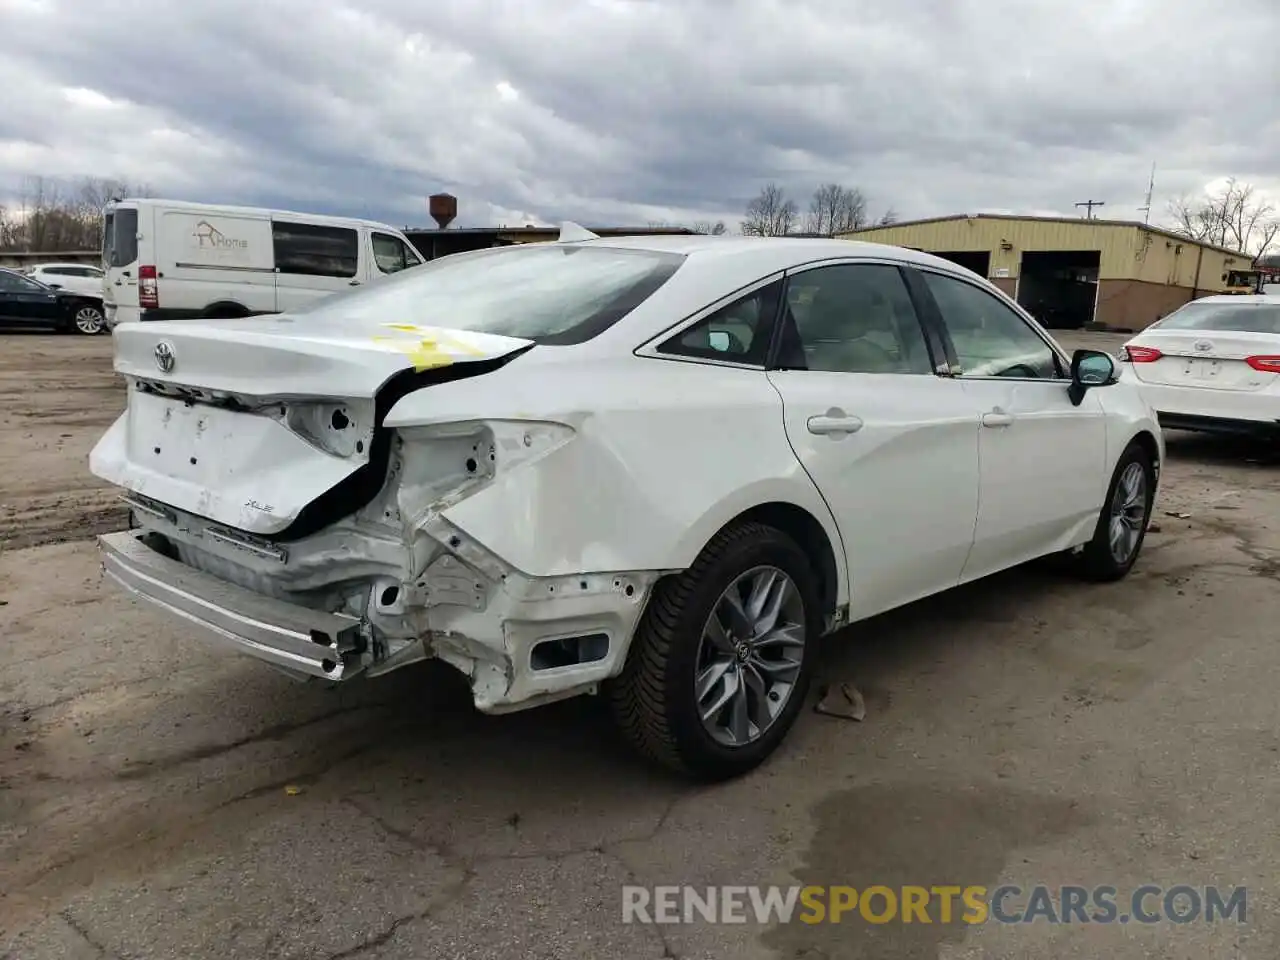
(622, 112)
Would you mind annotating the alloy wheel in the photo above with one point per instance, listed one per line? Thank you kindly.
(749, 656)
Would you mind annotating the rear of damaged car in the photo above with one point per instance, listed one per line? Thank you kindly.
(382, 478)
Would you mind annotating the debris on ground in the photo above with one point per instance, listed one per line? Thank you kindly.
(1177, 515)
(1153, 527)
(842, 700)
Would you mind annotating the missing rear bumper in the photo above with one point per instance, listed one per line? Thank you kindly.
(294, 638)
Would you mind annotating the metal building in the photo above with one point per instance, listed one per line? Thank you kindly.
(1070, 273)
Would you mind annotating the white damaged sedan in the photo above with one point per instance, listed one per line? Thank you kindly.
(655, 468)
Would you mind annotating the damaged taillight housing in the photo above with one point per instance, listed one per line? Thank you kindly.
(337, 427)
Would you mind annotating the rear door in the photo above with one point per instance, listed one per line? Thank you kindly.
(120, 242)
(314, 261)
(1043, 459)
(892, 446)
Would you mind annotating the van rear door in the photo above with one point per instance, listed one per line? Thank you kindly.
(120, 232)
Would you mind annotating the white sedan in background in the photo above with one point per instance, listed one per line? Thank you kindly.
(78, 278)
(1213, 365)
(658, 468)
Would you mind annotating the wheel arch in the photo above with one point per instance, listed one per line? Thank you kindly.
(810, 535)
(225, 310)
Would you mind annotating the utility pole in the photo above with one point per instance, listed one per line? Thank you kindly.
(1089, 205)
(1146, 211)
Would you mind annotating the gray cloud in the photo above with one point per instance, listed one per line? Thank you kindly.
(623, 111)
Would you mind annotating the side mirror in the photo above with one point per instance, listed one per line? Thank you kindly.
(1090, 368)
(54, 286)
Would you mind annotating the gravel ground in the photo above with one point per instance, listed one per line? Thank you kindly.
(158, 800)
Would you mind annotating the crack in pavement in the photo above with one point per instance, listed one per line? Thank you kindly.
(83, 934)
(467, 867)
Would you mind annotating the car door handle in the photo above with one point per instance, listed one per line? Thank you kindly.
(353, 283)
(997, 418)
(835, 423)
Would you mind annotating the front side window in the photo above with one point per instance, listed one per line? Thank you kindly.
(391, 255)
(548, 293)
(852, 318)
(990, 339)
(738, 333)
(16, 283)
(308, 250)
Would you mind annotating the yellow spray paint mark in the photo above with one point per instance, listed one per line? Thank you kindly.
(427, 352)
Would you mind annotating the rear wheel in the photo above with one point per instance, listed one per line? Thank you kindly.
(1122, 524)
(723, 657)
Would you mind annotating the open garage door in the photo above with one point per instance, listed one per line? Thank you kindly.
(1060, 287)
(979, 261)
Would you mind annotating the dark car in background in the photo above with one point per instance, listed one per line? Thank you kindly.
(28, 302)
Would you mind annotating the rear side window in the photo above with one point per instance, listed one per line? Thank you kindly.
(545, 292)
(738, 333)
(1237, 317)
(313, 251)
(391, 255)
(120, 237)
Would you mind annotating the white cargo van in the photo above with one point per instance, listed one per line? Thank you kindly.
(169, 260)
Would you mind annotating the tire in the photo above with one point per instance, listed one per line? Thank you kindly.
(1098, 562)
(654, 701)
(87, 320)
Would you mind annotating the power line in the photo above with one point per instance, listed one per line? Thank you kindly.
(1089, 205)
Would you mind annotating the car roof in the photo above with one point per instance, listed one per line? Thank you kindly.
(770, 254)
(41, 266)
(1255, 298)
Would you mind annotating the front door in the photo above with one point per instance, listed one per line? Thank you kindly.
(891, 446)
(25, 301)
(1043, 459)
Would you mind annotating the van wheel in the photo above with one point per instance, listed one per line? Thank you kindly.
(721, 662)
(225, 311)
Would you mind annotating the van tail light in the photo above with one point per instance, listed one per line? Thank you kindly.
(1140, 354)
(1267, 364)
(148, 288)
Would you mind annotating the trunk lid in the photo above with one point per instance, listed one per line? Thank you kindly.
(282, 356)
(248, 423)
(1210, 359)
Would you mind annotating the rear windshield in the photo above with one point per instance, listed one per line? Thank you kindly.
(547, 293)
(120, 237)
(1239, 317)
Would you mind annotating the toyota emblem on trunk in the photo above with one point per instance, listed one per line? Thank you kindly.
(1203, 346)
(165, 356)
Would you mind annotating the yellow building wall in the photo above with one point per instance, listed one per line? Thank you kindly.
(1126, 252)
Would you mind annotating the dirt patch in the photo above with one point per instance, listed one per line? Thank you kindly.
(58, 395)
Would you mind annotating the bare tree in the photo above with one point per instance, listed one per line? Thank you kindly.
(53, 217)
(890, 216)
(710, 229)
(1234, 216)
(770, 214)
(834, 210)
